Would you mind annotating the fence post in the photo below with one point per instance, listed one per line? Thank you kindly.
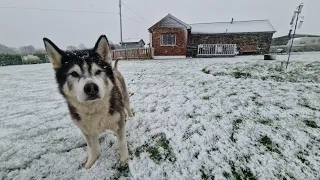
(138, 53)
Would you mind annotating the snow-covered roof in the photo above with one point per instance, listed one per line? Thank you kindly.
(179, 21)
(234, 27)
(170, 21)
(132, 40)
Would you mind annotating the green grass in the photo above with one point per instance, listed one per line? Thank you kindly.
(267, 142)
(218, 116)
(235, 127)
(310, 123)
(133, 112)
(154, 150)
(220, 74)
(265, 122)
(242, 173)
(206, 97)
(282, 106)
(206, 71)
(205, 175)
(239, 74)
(232, 94)
(121, 171)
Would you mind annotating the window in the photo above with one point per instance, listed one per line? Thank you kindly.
(168, 39)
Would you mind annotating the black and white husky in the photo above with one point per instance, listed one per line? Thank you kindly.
(95, 92)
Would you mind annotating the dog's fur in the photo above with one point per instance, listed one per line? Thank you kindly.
(95, 92)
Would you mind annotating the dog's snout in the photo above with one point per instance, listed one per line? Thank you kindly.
(91, 89)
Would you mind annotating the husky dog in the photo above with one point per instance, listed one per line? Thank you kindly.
(95, 92)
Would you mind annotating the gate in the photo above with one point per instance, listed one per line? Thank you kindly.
(211, 50)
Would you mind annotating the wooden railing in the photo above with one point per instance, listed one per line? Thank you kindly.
(217, 50)
(140, 53)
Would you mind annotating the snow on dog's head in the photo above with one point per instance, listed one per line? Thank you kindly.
(83, 75)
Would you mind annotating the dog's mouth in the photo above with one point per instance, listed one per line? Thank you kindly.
(93, 98)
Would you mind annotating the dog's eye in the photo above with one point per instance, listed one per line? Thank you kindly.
(98, 72)
(74, 74)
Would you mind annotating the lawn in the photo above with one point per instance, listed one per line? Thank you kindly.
(221, 118)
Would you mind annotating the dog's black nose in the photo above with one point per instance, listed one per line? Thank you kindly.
(91, 89)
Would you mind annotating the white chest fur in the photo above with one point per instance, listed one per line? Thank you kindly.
(95, 117)
(97, 122)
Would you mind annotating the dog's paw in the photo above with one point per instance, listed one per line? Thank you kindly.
(88, 165)
(130, 114)
(124, 159)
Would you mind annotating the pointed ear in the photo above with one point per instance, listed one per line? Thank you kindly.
(54, 53)
(103, 49)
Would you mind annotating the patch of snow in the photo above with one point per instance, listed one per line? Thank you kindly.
(216, 125)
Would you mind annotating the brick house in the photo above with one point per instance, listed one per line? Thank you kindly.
(171, 37)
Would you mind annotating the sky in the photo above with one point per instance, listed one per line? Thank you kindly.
(26, 22)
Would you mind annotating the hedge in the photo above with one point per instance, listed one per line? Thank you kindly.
(307, 48)
(10, 59)
(15, 59)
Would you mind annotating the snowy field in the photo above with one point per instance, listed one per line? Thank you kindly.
(222, 118)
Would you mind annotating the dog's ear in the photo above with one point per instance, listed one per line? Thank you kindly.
(54, 53)
(103, 49)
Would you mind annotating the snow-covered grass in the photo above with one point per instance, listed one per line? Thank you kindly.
(223, 118)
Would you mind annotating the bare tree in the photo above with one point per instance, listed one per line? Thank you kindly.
(71, 48)
(27, 49)
(81, 46)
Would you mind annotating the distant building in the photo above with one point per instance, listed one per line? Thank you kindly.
(133, 43)
(171, 37)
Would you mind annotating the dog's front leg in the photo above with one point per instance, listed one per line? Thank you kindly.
(93, 149)
(122, 140)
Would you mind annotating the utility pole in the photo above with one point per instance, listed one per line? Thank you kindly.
(120, 23)
(295, 16)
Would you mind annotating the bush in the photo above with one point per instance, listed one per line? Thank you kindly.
(30, 59)
(10, 59)
(43, 58)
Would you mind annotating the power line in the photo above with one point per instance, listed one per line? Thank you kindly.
(125, 17)
(134, 12)
(66, 10)
(63, 10)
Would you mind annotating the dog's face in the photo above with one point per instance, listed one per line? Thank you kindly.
(84, 75)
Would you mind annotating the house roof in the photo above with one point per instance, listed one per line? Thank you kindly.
(234, 27)
(173, 18)
(132, 41)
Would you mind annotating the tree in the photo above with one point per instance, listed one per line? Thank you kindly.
(81, 46)
(27, 49)
(40, 51)
(7, 50)
(71, 48)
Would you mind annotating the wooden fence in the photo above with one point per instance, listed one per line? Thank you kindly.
(140, 53)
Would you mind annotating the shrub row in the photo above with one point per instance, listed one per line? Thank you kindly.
(17, 59)
(307, 48)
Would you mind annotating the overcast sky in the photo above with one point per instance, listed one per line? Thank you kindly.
(20, 27)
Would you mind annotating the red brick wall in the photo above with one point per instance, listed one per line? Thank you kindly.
(181, 42)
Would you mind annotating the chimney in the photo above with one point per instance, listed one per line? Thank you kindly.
(232, 21)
